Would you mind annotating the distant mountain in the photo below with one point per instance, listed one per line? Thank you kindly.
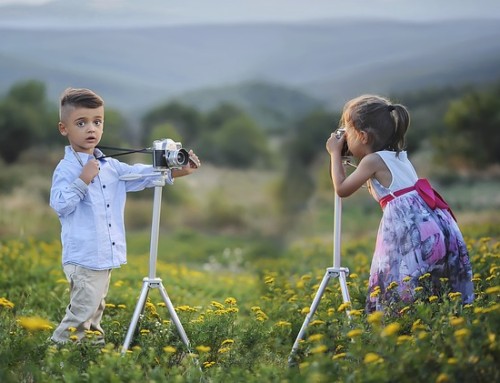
(135, 68)
(273, 106)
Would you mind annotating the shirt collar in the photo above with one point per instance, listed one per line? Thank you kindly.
(69, 154)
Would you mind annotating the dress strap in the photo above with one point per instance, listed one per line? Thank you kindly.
(425, 190)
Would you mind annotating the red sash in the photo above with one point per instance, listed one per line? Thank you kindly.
(425, 190)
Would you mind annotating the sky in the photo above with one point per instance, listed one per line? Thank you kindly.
(167, 12)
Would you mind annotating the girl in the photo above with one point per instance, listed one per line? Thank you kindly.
(418, 234)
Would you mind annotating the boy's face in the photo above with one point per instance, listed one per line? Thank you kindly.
(83, 127)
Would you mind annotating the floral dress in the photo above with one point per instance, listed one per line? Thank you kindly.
(414, 240)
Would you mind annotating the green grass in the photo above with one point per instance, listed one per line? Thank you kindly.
(242, 322)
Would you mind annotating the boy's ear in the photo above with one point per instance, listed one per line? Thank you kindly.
(62, 129)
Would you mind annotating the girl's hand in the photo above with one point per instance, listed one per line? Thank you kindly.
(334, 144)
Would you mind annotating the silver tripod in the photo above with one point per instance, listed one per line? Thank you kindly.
(331, 272)
(152, 282)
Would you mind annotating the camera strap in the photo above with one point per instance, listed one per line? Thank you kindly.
(125, 151)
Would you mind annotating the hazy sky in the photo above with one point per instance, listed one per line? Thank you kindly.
(235, 11)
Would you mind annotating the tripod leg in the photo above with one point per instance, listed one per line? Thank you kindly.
(174, 316)
(312, 310)
(345, 292)
(135, 317)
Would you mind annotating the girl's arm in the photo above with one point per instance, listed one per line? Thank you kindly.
(346, 185)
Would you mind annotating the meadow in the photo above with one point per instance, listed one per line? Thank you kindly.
(242, 295)
(241, 324)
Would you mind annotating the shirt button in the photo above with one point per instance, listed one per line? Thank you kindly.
(109, 225)
(104, 186)
(113, 243)
(107, 205)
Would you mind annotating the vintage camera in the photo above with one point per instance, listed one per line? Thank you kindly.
(345, 149)
(168, 154)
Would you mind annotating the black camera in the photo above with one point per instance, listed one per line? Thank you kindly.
(168, 154)
(345, 149)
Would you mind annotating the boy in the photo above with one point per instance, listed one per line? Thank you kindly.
(89, 198)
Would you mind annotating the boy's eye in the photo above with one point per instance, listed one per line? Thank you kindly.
(80, 124)
(98, 122)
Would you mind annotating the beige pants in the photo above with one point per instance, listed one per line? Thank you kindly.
(88, 288)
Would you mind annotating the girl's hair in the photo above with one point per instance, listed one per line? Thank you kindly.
(385, 123)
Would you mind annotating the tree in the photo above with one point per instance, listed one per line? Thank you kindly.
(25, 118)
(238, 143)
(302, 150)
(185, 119)
(471, 135)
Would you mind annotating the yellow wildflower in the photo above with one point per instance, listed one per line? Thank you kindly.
(319, 349)
(315, 337)
(283, 323)
(169, 349)
(392, 286)
(217, 305)
(344, 306)
(372, 357)
(227, 341)
(433, 298)
(35, 323)
(403, 339)
(492, 290)
(375, 317)
(462, 333)
(208, 364)
(230, 301)
(452, 360)
(316, 322)
(354, 333)
(424, 277)
(457, 321)
(203, 348)
(390, 329)
(442, 378)
(339, 356)
(455, 295)
(305, 310)
(356, 313)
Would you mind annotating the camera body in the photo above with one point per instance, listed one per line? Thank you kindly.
(168, 154)
(345, 149)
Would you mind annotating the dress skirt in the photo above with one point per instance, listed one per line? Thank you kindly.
(414, 240)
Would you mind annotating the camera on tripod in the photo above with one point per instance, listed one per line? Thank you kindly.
(345, 149)
(168, 154)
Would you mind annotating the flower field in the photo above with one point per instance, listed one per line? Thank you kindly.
(242, 324)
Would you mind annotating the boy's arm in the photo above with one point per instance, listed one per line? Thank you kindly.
(66, 192)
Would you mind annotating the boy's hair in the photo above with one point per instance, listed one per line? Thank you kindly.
(79, 98)
(385, 123)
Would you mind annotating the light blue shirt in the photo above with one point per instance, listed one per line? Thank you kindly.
(92, 216)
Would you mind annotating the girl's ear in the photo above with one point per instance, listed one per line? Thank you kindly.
(62, 129)
(364, 137)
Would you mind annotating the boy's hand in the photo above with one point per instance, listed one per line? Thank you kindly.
(89, 171)
(193, 164)
(194, 161)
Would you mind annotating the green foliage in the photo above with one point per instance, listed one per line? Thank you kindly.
(185, 119)
(304, 147)
(25, 116)
(472, 138)
(238, 143)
